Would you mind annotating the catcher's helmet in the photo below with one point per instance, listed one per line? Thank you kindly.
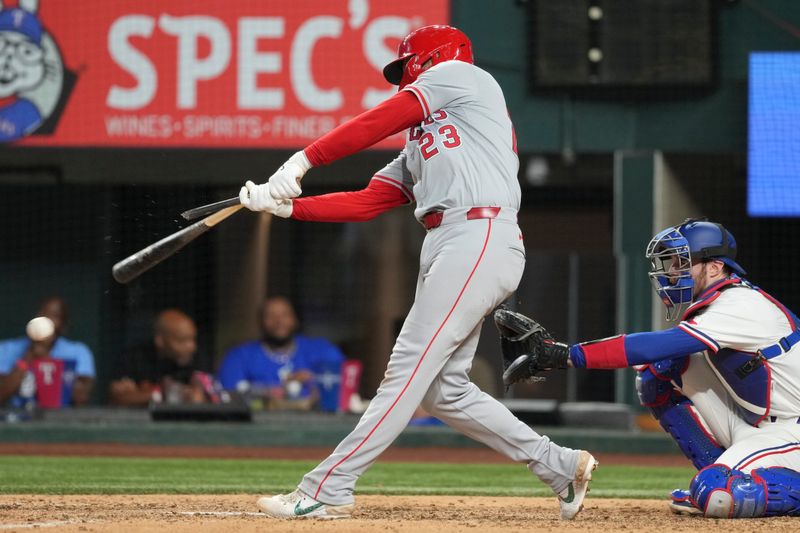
(672, 253)
(423, 44)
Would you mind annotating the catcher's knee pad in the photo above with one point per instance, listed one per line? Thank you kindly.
(654, 381)
(675, 412)
(724, 493)
(783, 488)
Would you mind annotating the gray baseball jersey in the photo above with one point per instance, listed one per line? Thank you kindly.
(464, 153)
(461, 157)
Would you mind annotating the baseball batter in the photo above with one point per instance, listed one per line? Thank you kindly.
(460, 167)
(724, 382)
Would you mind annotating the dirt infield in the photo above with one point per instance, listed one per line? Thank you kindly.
(417, 514)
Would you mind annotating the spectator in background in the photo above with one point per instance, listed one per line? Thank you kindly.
(284, 369)
(52, 372)
(163, 369)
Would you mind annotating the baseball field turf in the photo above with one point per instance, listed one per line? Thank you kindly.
(117, 475)
(78, 494)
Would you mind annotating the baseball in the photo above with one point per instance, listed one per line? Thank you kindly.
(40, 328)
(293, 388)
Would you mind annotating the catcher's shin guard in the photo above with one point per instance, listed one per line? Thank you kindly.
(675, 412)
(783, 488)
(721, 492)
(724, 493)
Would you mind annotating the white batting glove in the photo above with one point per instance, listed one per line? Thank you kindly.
(258, 198)
(285, 183)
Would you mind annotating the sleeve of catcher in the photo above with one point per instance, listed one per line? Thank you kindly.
(634, 349)
(355, 206)
(395, 114)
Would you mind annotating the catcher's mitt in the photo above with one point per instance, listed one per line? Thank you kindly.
(528, 348)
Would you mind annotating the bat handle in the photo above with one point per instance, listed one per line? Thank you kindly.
(205, 210)
(222, 214)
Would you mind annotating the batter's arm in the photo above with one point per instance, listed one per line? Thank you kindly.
(399, 112)
(355, 206)
(393, 115)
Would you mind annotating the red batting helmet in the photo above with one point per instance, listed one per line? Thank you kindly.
(423, 44)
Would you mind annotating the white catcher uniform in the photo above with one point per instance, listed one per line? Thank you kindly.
(750, 409)
(462, 166)
(724, 382)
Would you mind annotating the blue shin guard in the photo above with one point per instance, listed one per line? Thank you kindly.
(674, 411)
(783, 490)
(724, 493)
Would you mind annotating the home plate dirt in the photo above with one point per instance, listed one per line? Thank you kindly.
(417, 514)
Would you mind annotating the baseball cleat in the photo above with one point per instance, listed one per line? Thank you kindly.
(299, 505)
(571, 498)
(681, 503)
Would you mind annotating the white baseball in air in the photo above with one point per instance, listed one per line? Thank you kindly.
(40, 328)
(293, 388)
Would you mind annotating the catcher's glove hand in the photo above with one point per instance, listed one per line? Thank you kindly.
(527, 347)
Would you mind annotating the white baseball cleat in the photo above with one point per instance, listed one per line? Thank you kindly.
(571, 498)
(299, 505)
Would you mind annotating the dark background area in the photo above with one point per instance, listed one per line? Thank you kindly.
(70, 214)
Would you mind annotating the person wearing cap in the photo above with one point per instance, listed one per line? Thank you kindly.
(724, 382)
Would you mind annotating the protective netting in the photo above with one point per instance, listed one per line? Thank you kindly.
(96, 185)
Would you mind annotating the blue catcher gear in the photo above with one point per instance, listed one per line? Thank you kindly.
(783, 486)
(681, 503)
(724, 493)
(673, 251)
(721, 492)
(674, 411)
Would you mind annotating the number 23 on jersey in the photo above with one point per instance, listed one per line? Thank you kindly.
(447, 135)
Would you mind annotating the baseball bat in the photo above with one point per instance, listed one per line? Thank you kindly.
(145, 259)
(205, 210)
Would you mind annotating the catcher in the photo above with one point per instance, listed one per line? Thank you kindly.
(724, 382)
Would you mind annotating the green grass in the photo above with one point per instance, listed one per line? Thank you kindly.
(107, 475)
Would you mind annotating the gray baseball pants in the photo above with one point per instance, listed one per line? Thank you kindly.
(467, 268)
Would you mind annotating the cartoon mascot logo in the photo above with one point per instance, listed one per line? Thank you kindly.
(33, 82)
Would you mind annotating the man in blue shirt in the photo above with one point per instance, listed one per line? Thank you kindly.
(284, 368)
(18, 357)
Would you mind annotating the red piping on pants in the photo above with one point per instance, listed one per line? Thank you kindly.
(414, 373)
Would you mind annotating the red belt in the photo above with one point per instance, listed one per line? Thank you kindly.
(433, 219)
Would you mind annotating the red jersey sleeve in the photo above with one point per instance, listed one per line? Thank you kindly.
(395, 114)
(356, 206)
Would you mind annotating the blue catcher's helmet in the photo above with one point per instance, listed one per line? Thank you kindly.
(672, 253)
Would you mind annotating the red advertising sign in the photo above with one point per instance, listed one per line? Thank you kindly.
(239, 73)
